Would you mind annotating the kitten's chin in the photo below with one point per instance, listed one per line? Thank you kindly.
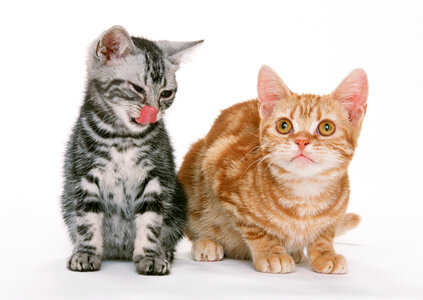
(134, 126)
(137, 123)
(302, 160)
(134, 120)
(301, 166)
(305, 169)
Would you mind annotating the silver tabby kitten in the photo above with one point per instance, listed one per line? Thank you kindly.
(121, 197)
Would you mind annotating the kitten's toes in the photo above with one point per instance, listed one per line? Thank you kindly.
(275, 263)
(152, 265)
(330, 264)
(83, 262)
(170, 255)
(298, 256)
(207, 250)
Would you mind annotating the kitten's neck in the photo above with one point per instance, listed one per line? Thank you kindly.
(309, 187)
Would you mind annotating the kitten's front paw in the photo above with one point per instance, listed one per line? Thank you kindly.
(83, 262)
(207, 250)
(275, 263)
(330, 264)
(152, 265)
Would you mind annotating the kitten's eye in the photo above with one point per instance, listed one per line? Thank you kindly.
(284, 126)
(326, 128)
(138, 88)
(166, 94)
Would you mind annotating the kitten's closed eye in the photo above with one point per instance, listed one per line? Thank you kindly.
(138, 88)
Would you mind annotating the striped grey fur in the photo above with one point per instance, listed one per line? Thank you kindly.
(121, 197)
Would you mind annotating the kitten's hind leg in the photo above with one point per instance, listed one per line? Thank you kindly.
(297, 255)
(207, 250)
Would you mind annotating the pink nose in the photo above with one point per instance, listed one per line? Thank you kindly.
(302, 143)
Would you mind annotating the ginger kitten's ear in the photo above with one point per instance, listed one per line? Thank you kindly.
(352, 94)
(271, 89)
(113, 44)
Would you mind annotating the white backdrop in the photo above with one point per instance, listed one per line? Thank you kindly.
(311, 44)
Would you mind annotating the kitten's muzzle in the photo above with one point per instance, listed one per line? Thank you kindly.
(148, 115)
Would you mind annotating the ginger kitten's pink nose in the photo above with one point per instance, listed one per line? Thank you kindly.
(302, 143)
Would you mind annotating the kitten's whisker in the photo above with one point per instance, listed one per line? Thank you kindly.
(262, 159)
(252, 149)
(271, 162)
(259, 160)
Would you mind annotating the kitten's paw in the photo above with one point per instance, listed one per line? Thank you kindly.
(83, 262)
(152, 265)
(330, 264)
(297, 256)
(275, 263)
(207, 250)
(169, 256)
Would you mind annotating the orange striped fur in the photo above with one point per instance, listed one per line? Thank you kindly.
(249, 200)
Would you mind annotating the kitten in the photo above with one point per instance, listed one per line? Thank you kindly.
(270, 178)
(121, 197)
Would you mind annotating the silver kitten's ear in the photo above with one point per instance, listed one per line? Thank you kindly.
(113, 44)
(176, 50)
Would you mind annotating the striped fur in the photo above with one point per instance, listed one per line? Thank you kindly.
(121, 197)
(249, 199)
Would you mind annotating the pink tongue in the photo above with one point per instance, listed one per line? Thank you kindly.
(148, 115)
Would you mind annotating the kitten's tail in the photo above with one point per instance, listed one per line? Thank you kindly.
(350, 221)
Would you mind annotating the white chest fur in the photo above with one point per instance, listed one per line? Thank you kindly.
(310, 220)
(121, 176)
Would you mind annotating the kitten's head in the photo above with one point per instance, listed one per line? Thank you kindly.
(132, 72)
(308, 134)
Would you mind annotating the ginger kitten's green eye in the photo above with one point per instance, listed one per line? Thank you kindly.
(326, 128)
(284, 126)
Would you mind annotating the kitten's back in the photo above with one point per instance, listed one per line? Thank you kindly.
(237, 120)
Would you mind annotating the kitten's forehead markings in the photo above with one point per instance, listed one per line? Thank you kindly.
(154, 63)
(303, 106)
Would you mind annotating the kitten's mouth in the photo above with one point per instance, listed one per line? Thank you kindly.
(302, 158)
(148, 115)
(134, 121)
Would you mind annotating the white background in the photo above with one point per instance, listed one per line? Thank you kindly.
(311, 44)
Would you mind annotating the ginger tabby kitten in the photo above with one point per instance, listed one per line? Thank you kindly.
(270, 178)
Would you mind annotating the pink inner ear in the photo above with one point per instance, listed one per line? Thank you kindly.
(114, 44)
(352, 94)
(271, 89)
